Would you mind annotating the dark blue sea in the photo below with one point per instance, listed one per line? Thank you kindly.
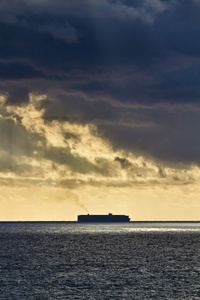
(41, 260)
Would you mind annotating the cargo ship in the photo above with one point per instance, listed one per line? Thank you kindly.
(110, 218)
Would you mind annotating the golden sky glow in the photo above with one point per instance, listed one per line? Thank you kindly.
(59, 170)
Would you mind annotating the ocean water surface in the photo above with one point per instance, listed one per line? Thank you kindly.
(52, 260)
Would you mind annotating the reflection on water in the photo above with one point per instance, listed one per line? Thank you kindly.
(66, 227)
(99, 261)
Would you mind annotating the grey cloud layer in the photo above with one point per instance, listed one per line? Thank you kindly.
(130, 67)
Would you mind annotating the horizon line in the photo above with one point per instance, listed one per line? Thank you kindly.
(144, 221)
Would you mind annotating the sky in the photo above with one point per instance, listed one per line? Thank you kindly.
(99, 109)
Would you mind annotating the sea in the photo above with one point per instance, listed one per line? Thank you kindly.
(70, 260)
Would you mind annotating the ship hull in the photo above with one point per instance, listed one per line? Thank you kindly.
(103, 218)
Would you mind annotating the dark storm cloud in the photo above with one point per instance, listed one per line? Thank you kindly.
(93, 40)
(75, 109)
(123, 65)
(181, 34)
(180, 86)
(17, 95)
(16, 71)
(170, 137)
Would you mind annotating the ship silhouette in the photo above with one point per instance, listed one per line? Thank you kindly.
(103, 218)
